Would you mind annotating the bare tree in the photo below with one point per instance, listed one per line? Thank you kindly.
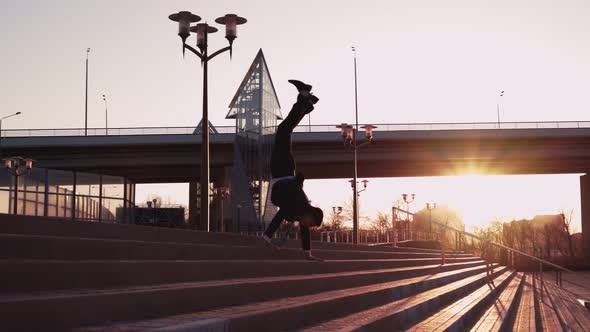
(568, 230)
(347, 212)
(382, 223)
(335, 221)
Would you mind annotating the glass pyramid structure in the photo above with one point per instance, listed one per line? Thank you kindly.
(256, 109)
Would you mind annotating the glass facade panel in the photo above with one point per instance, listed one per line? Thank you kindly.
(51, 205)
(87, 184)
(110, 206)
(113, 186)
(61, 194)
(4, 199)
(56, 180)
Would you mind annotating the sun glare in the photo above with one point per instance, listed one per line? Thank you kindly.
(478, 197)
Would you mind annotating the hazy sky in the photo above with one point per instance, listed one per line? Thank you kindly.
(418, 61)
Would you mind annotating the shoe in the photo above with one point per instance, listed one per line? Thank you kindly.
(300, 85)
(314, 258)
(308, 256)
(269, 243)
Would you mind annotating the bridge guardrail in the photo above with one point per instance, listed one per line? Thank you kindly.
(189, 130)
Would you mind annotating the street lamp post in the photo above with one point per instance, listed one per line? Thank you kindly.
(6, 117)
(498, 106)
(239, 208)
(408, 201)
(231, 21)
(430, 207)
(348, 134)
(86, 97)
(17, 166)
(155, 202)
(336, 211)
(106, 115)
(393, 227)
(222, 193)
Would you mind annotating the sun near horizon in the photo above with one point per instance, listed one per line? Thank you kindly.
(479, 198)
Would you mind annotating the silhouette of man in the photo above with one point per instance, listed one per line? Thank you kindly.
(287, 191)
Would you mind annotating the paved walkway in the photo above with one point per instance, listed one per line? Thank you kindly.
(577, 283)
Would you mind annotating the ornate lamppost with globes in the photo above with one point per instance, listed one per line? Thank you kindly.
(408, 201)
(17, 166)
(348, 134)
(337, 210)
(221, 192)
(202, 30)
(430, 207)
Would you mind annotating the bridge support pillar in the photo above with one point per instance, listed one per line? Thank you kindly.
(585, 202)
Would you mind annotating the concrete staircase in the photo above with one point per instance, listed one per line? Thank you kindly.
(94, 277)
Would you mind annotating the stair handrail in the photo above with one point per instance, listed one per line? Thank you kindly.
(479, 238)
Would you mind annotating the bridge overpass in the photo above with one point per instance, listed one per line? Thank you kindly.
(148, 155)
(173, 154)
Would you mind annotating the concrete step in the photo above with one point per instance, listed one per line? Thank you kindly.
(461, 314)
(297, 312)
(548, 320)
(525, 319)
(87, 307)
(25, 225)
(572, 316)
(16, 246)
(500, 315)
(395, 315)
(364, 247)
(37, 275)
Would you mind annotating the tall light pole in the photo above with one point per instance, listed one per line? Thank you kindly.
(86, 97)
(408, 201)
(393, 227)
(6, 117)
(355, 207)
(2, 118)
(231, 21)
(430, 207)
(498, 106)
(348, 134)
(106, 115)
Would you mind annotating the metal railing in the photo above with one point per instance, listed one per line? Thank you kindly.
(189, 130)
(365, 236)
(486, 242)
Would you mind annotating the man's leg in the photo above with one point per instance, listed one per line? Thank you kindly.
(306, 243)
(282, 162)
(274, 225)
(305, 237)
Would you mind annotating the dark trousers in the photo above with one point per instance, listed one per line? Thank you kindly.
(282, 163)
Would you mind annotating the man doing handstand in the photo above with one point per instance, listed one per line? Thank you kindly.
(287, 191)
